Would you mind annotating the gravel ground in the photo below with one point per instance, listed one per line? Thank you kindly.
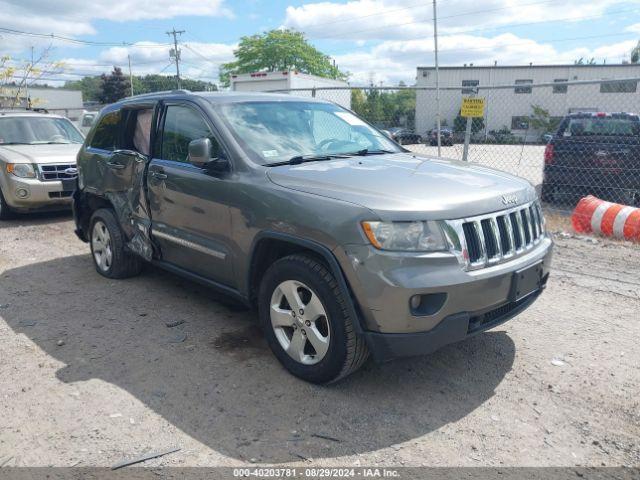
(91, 373)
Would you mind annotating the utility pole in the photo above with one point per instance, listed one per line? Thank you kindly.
(435, 49)
(175, 53)
(130, 75)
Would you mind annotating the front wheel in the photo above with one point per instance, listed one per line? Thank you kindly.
(110, 256)
(306, 321)
(5, 211)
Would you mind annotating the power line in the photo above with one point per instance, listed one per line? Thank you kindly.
(63, 38)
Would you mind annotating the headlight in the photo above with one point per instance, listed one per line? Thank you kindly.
(22, 170)
(405, 236)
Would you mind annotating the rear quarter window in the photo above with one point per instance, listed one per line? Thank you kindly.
(105, 136)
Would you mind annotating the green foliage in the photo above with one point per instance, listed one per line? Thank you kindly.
(91, 87)
(113, 87)
(460, 124)
(279, 50)
(385, 109)
(542, 121)
(635, 53)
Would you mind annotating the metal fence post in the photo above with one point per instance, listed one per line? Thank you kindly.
(467, 134)
(467, 138)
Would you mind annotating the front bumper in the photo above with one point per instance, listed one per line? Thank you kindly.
(454, 328)
(40, 195)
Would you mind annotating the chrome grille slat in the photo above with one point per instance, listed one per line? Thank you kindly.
(483, 248)
(55, 171)
(495, 238)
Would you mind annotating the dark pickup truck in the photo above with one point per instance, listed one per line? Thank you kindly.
(593, 154)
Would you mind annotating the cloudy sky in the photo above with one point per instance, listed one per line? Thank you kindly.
(379, 40)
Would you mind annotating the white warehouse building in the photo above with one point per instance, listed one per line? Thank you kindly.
(510, 107)
(300, 84)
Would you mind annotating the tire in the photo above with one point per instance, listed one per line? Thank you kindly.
(5, 211)
(108, 252)
(327, 320)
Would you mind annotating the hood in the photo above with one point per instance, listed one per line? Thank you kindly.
(406, 187)
(60, 153)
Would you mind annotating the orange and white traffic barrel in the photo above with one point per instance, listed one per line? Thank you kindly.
(593, 215)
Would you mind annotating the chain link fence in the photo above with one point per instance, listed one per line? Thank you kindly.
(569, 139)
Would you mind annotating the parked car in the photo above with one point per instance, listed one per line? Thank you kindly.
(347, 244)
(85, 122)
(593, 153)
(37, 161)
(446, 137)
(404, 136)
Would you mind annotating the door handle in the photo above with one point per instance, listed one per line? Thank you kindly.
(158, 175)
(115, 165)
(139, 157)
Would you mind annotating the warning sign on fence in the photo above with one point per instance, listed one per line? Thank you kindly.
(472, 107)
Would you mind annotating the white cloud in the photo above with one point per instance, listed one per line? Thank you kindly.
(380, 20)
(74, 17)
(198, 60)
(395, 60)
(635, 28)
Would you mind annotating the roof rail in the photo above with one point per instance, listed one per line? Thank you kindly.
(151, 94)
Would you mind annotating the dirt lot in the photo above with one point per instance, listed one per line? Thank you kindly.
(91, 374)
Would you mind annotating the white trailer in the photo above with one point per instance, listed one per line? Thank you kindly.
(295, 83)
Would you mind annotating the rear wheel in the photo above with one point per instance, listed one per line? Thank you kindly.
(306, 321)
(110, 256)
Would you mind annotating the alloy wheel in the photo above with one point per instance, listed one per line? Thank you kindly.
(300, 323)
(101, 246)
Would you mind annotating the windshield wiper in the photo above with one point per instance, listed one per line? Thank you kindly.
(366, 151)
(298, 159)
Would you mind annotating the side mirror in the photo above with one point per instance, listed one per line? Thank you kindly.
(387, 134)
(200, 152)
(218, 165)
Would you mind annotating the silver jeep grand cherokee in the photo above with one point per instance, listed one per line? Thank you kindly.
(347, 244)
(37, 161)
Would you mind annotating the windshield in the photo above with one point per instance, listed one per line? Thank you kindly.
(31, 130)
(579, 127)
(273, 132)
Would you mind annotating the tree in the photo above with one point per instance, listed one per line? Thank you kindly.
(385, 109)
(113, 87)
(542, 121)
(279, 50)
(15, 80)
(91, 87)
(460, 124)
(635, 53)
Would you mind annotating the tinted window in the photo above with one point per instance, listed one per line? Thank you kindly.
(560, 88)
(183, 124)
(622, 86)
(469, 84)
(519, 123)
(105, 136)
(523, 89)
